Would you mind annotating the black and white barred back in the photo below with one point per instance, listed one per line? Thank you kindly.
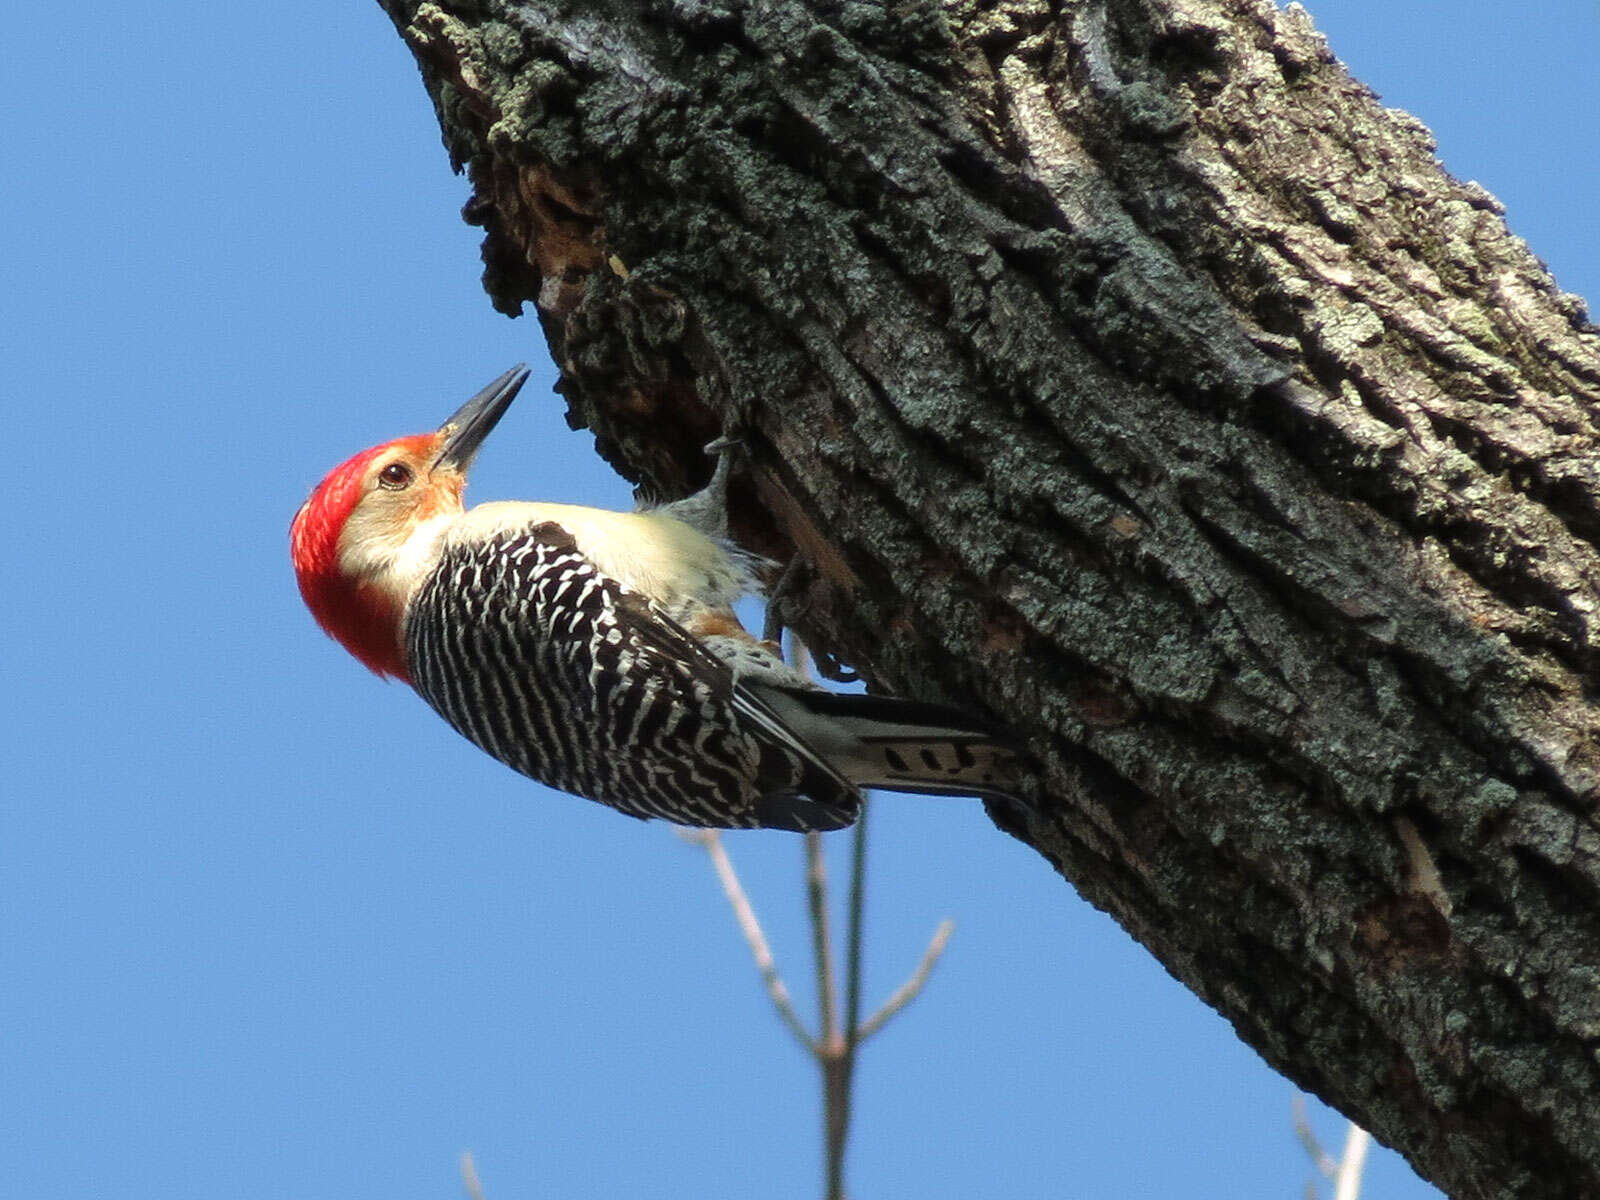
(567, 676)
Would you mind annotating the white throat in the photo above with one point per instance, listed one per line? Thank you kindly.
(370, 552)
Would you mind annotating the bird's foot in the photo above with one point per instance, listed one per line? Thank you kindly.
(785, 600)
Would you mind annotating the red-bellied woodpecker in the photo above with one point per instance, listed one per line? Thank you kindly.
(598, 652)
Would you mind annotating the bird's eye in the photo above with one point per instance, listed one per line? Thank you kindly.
(395, 476)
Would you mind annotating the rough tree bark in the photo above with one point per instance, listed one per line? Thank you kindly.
(1122, 369)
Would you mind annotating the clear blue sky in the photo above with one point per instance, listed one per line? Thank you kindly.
(269, 928)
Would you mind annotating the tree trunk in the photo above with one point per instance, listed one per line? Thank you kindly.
(1122, 369)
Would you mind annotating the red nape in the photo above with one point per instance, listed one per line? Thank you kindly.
(362, 619)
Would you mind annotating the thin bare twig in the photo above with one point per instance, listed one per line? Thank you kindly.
(907, 991)
(469, 1177)
(821, 940)
(830, 1041)
(1347, 1185)
(839, 1054)
(1320, 1158)
(853, 944)
(754, 936)
(1346, 1172)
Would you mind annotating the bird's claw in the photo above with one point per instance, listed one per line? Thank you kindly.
(721, 446)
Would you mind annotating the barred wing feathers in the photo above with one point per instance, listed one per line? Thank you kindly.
(564, 674)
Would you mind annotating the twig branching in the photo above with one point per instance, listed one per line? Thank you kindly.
(1344, 1172)
(834, 1045)
(1347, 1186)
(840, 1033)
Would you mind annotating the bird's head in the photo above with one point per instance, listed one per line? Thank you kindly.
(371, 529)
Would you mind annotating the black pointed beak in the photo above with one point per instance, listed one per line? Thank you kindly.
(470, 424)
